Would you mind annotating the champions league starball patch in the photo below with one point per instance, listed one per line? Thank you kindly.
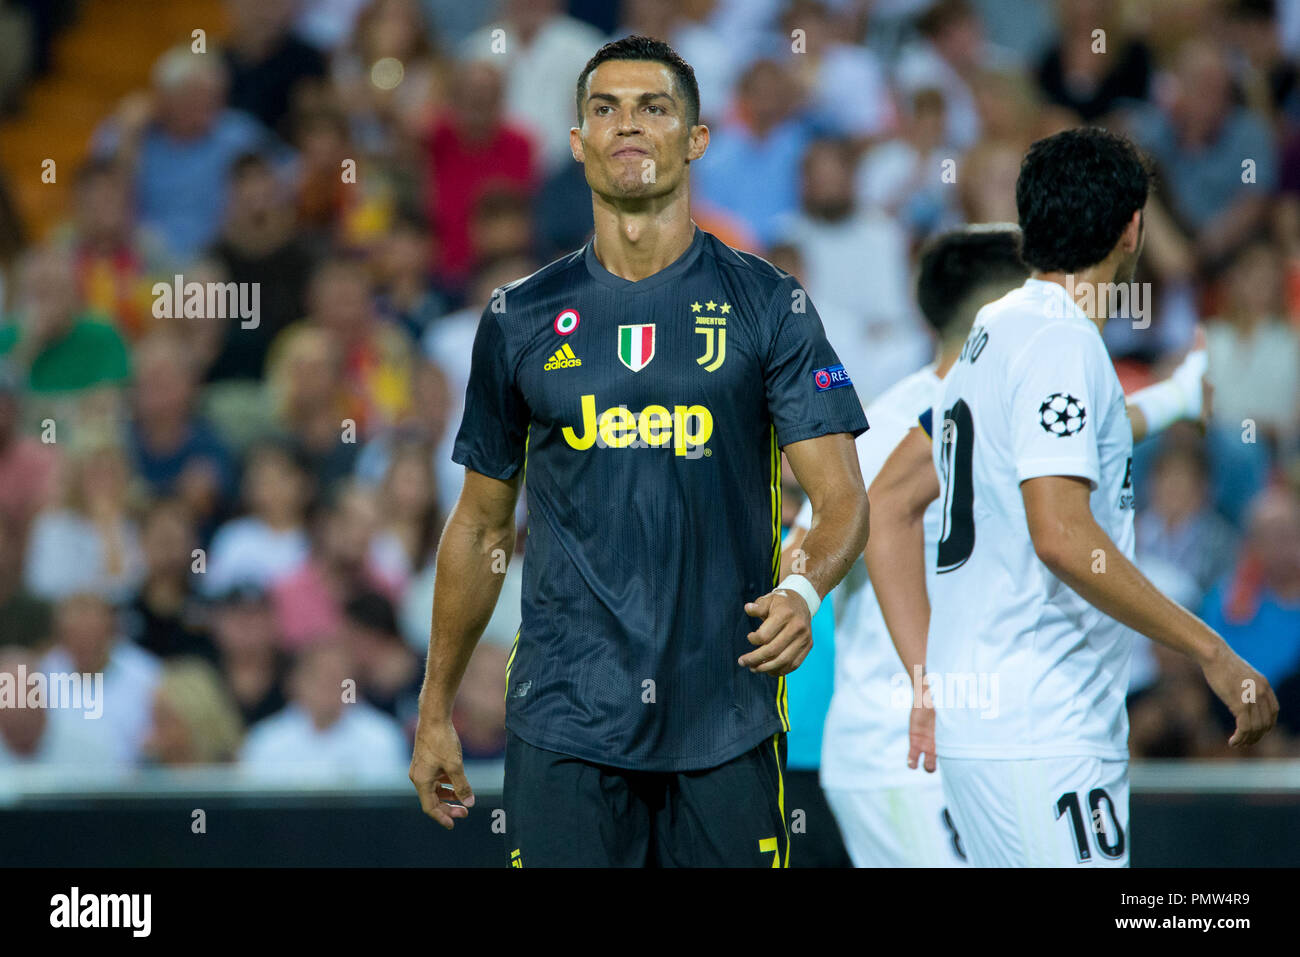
(1062, 415)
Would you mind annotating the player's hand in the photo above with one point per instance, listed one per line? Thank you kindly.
(438, 772)
(785, 636)
(1245, 691)
(920, 738)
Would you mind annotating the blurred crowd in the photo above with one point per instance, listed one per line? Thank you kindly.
(232, 519)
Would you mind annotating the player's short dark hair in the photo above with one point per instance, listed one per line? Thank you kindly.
(1075, 194)
(645, 48)
(958, 265)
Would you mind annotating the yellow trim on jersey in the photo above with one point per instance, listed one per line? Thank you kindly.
(511, 660)
(780, 795)
(782, 702)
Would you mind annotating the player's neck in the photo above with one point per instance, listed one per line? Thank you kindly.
(1086, 288)
(634, 243)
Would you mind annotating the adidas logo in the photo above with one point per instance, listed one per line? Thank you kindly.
(563, 359)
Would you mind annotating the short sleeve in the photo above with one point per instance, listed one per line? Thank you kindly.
(494, 428)
(1056, 405)
(808, 392)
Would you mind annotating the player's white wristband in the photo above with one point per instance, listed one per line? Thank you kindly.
(804, 589)
(1178, 397)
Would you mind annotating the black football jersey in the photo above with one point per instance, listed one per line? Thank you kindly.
(648, 418)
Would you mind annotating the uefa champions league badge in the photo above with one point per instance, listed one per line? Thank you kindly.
(831, 377)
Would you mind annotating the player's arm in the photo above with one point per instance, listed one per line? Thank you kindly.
(895, 552)
(895, 557)
(466, 586)
(1184, 395)
(827, 469)
(1078, 551)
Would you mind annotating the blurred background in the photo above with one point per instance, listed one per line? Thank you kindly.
(231, 521)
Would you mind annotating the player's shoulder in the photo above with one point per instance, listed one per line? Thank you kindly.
(1037, 322)
(558, 273)
(747, 268)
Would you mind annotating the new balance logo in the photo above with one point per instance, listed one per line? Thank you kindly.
(564, 358)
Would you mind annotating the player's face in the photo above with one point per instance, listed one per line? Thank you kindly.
(635, 140)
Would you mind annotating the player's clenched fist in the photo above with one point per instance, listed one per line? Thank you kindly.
(785, 636)
(1245, 691)
(438, 773)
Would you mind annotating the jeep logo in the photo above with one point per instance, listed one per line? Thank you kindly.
(687, 428)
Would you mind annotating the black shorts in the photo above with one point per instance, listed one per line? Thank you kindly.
(562, 811)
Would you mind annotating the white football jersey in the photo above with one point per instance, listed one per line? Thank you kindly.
(864, 744)
(1019, 665)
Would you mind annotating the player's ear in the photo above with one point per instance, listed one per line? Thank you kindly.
(575, 143)
(697, 142)
(1133, 232)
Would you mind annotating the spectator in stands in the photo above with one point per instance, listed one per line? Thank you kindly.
(829, 65)
(471, 148)
(948, 56)
(389, 675)
(1268, 78)
(165, 616)
(408, 503)
(376, 358)
(117, 260)
(253, 667)
(1257, 609)
(542, 51)
(27, 619)
(986, 188)
(91, 543)
(47, 737)
(903, 175)
(319, 735)
(270, 541)
(194, 722)
(442, 390)
(501, 226)
(308, 402)
(763, 143)
(88, 643)
(268, 66)
(390, 79)
(1092, 74)
(406, 295)
(343, 563)
(260, 246)
(181, 142)
(1179, 526)
(1205, 145)
(1254, 352)
(844, 250)
(74, 363)
(29, 468)
(174, 449)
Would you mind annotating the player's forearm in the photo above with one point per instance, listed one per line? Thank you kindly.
(895, 557)
(467, 583)
(839, 531)
(1083, 556)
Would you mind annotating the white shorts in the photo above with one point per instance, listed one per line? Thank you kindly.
(897, 827)
(1044, 812)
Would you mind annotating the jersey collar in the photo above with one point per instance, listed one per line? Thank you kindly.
(670, 272)
(1055, 302)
